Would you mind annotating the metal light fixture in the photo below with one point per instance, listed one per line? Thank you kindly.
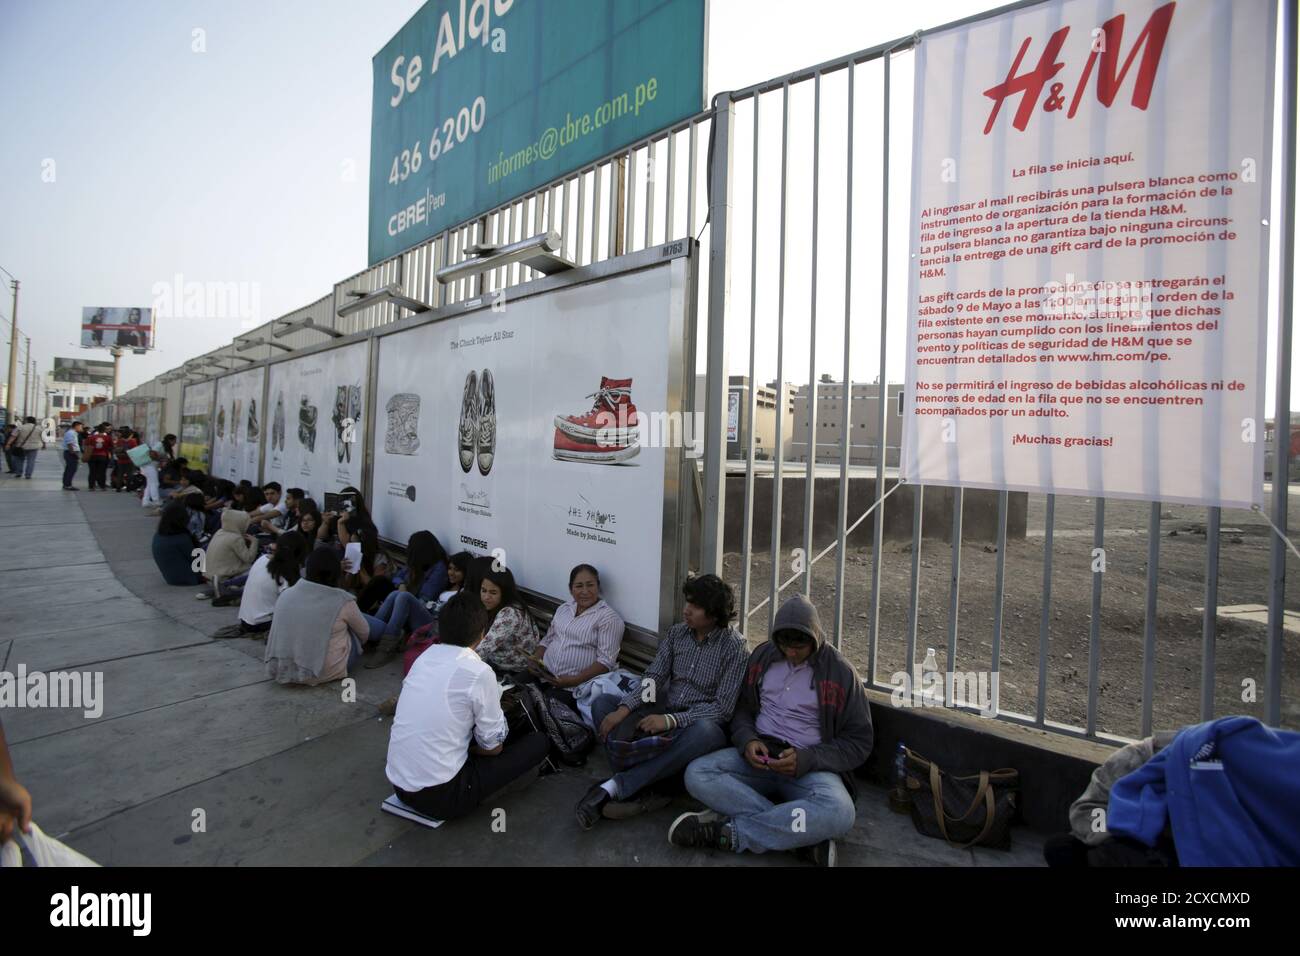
(539, 253)
(247, 344)
(389, 293)
(302, 325)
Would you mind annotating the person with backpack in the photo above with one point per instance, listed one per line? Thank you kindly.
(677, 713)
(26, 441)
(802, 726)
(450, 747)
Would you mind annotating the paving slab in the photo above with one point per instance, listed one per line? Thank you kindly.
(314, 805)
(90, 645)
(127, 762)
(53, 616)
(84, 593)
(68, 574)
(133, 685)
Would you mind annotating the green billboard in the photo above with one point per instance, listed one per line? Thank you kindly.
(479, 101)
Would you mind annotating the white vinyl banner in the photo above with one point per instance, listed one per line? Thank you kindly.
(316, 416)
(196, 424)
(474, 437)
(1089, 245)
(237, 437)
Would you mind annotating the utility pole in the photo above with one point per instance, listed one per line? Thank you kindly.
(13, 356)
(27, 378)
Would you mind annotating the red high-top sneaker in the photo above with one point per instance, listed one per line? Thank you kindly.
(612, 421)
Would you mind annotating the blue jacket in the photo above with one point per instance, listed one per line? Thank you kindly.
(1229, 788)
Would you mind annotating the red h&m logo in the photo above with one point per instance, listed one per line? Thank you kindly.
(1107, 44)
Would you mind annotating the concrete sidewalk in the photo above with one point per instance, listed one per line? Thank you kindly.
(192, 731)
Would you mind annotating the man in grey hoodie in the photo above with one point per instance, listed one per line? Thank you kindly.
(800, 728)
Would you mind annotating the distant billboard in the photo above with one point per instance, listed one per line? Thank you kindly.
(82, 371)
(103, 328)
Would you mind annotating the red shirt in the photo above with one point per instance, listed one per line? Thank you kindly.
(125, 447)
(99, 445)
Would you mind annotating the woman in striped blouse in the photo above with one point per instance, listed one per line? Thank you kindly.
(585, 634)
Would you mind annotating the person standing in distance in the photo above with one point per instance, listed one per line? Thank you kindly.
(71, 454)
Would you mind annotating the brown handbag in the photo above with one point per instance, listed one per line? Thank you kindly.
(966, 811)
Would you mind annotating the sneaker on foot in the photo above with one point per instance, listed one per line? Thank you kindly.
(819, 854)
(386, 651)
(696, 830)
(389, 707)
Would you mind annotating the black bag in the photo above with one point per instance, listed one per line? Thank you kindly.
(974, 810)
(571, 739)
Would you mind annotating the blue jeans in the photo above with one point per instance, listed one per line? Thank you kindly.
(400, 609)
(70, 462)
(355, 654)
(725, 782)
(694, 740)
(29, 461)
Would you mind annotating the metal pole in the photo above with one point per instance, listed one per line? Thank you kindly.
(117, 368)
(777, 476)
(751, 396)
(13, 357)
(1209, 619)
(846, 439)
(954, 590)
(27, 377)
(1282, 414)
(882, 390)
(1045, 622)
(1094, 629)
(814, 392)
(1149, 630)
(715, 400)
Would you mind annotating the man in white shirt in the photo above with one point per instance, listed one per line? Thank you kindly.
(270, 514)
(448, 750)
(71, 454)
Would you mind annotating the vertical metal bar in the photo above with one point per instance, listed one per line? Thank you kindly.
(650, 172)
(565, 235)
(539, 221)
(715, 399)
(954, 591)
(439, 260)
(521, 215)
(778, 477)
(882, 389)
(751, 394)
(1045, 621)
(914, 588)
(1282, 409)
(810, 481)
(846, 438)
(580, 227)
(617, 170)
(671, 199)
(1094, 625)
(1149, 629)
(629, 204)
(595, 215)
(1210, 619)
(999, 594)
(452, 259)
(690, 184)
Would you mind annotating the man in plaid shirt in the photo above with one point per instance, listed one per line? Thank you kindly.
(679, 712)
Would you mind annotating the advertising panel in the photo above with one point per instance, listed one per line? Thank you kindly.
(1090, 225)
(196, 424)
(528, 434)
(82, 371)
(317, 420)
(103, 327)
(478, 101)
(237, 438)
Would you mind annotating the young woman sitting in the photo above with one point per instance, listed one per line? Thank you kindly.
(418, 587)
(174, 546)
(231, 551)
(511, 638)
(317, 631)
(270, 575)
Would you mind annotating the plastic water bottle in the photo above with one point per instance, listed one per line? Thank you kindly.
(932, 696)
(898, 801)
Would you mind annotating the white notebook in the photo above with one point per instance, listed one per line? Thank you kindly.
(397, 808)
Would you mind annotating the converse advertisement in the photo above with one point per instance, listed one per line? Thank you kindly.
(237, 448)
(334, 386)
(517, 431)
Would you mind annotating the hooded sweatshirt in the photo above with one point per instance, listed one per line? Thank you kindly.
(228, 553)
(843, 714)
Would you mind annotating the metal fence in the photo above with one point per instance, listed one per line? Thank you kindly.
(826, 265)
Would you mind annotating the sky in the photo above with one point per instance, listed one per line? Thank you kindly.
(228, 142)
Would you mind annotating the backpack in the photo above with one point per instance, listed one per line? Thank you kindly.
(571, 739)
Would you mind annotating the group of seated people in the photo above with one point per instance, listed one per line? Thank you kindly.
(767, 740)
